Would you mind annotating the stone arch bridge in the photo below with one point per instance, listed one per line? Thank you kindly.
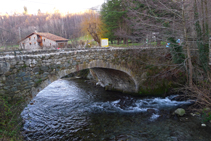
(27, 74)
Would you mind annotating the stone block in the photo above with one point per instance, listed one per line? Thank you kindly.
(44, 68)
(17, 84)
(2, 92)
(9, 82)
(4, 67)
(18, 79)
(17, 91)
(6, 88)
(14, 71)
(46, 73)
(21, 63)
(21, 74)
(31, 83)
(8, 73)
(14, 89)
(26, 78)
(36, 69)
(1, 84)
(27, 87)
(74, 63)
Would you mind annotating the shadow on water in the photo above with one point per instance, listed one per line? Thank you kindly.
(75, 110)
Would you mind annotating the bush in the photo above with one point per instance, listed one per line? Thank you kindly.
(176, 51)
(10, 121)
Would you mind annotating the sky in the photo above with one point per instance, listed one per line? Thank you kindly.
(64, 6)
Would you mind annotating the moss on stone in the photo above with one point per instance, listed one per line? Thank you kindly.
(24, 66)
(37, 83)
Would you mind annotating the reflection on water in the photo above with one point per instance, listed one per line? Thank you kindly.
(74, 110)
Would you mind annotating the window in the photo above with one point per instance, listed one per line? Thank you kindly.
(35, 43)
(34, 37)
(30, 43)
(29, 38)
(44, 40)
(50, 44)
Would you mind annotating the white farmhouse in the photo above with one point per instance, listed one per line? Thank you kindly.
(39, 40)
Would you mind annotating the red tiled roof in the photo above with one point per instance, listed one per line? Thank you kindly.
(51, 36)
(47, 35)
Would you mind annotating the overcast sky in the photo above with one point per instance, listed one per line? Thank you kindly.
(64, 6)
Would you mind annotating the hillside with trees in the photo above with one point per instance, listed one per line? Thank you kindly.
(17, 26)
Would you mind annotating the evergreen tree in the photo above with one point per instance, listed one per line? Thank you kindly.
(112, 15)
(202, 36)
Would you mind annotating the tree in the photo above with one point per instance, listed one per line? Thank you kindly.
(92, 25)
(202, 32)
(148, 18)
(39, 12)
(113, 14)
(25, 10)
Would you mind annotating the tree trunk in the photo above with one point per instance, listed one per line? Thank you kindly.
(158, 42)
(190, 68)
(124, 41)
(206, 36)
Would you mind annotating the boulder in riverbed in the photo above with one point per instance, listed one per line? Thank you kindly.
(180, 112)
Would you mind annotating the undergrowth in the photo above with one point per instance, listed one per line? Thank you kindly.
(201, 93)
(10, 120)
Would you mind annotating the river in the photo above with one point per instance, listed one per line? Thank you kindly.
(75, 110)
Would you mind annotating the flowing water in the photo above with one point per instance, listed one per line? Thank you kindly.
(73, 110)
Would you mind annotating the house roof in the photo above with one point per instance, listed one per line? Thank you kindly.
(47, 35)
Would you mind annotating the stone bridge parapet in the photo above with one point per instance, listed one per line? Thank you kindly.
(42, 51)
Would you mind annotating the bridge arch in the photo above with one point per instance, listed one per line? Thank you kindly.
(94, 65)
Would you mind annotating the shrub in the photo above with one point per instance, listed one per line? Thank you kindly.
(10, 120)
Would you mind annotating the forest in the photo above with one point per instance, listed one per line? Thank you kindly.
(119, 20)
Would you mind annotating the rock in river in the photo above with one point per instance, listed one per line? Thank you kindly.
(179, 112)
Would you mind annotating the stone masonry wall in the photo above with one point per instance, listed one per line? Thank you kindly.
(30, 43)
(48, 43)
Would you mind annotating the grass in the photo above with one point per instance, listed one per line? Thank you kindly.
(121, 44)
(163, 43)
(125, 45)
(82, 38)
(9, 47)
(85, 38)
